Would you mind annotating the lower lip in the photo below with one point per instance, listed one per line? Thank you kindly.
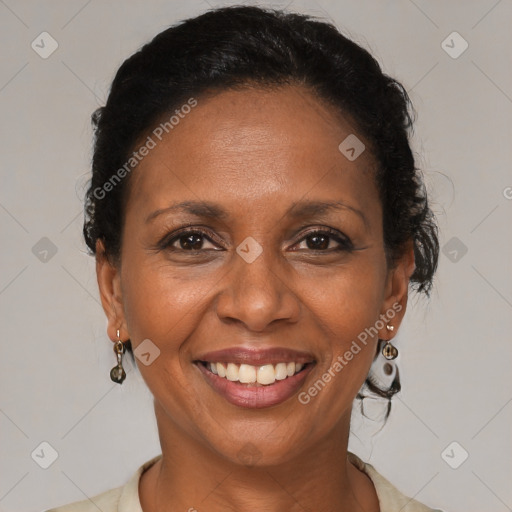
(255, 397)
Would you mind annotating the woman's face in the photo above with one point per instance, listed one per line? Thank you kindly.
(237, 274)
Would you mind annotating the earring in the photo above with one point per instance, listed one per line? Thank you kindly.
(117, 374)
(389, 351)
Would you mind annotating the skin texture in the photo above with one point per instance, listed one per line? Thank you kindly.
(254, 153)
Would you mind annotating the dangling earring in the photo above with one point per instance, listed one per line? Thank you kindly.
(389, 351)
(117, 374)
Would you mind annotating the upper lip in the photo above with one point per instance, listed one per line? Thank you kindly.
(256, 356)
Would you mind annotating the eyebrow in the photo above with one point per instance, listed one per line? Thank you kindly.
(318, 208)
(297, 209)
(198, 208)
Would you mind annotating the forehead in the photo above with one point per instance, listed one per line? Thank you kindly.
(254, 145)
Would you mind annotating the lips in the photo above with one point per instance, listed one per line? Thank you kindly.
(255, 378)
(256, 357)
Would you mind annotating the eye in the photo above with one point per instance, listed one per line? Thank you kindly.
(187, 241)
(325, 240)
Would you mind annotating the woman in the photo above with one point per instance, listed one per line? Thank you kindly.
(257, 221)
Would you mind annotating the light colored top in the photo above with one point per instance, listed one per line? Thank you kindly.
(126, 497)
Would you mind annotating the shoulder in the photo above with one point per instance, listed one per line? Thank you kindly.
(120, 499)
(107, 501)
(390, 498)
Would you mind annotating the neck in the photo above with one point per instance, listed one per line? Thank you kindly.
(190, 476)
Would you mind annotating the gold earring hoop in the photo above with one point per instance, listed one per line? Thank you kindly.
(117, 374)
(389, 351)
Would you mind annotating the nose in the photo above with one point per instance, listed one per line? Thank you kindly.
(257, 294)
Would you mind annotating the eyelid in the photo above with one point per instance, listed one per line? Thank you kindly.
(170, 238)
(342, 239)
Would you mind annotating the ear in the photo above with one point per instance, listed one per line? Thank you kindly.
(396, 292)
(109, 283)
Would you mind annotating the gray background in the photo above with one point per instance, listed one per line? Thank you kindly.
(455, 349)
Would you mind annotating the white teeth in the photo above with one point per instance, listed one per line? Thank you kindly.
(232, 372)
(221, 369)
(266, 374)
(281, 372)
(249, 374)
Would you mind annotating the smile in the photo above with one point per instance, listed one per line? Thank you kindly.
(255, 378)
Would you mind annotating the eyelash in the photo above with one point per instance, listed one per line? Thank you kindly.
(345, 244)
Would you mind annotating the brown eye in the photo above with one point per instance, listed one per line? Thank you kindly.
(192, 241)
(317, 242)
(326, 241)
(187, 241)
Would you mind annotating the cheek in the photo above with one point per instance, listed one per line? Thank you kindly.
(346, 308)
(164, 304)
(165, 310)
(162, 308)
(159, 298)
(346, 299)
